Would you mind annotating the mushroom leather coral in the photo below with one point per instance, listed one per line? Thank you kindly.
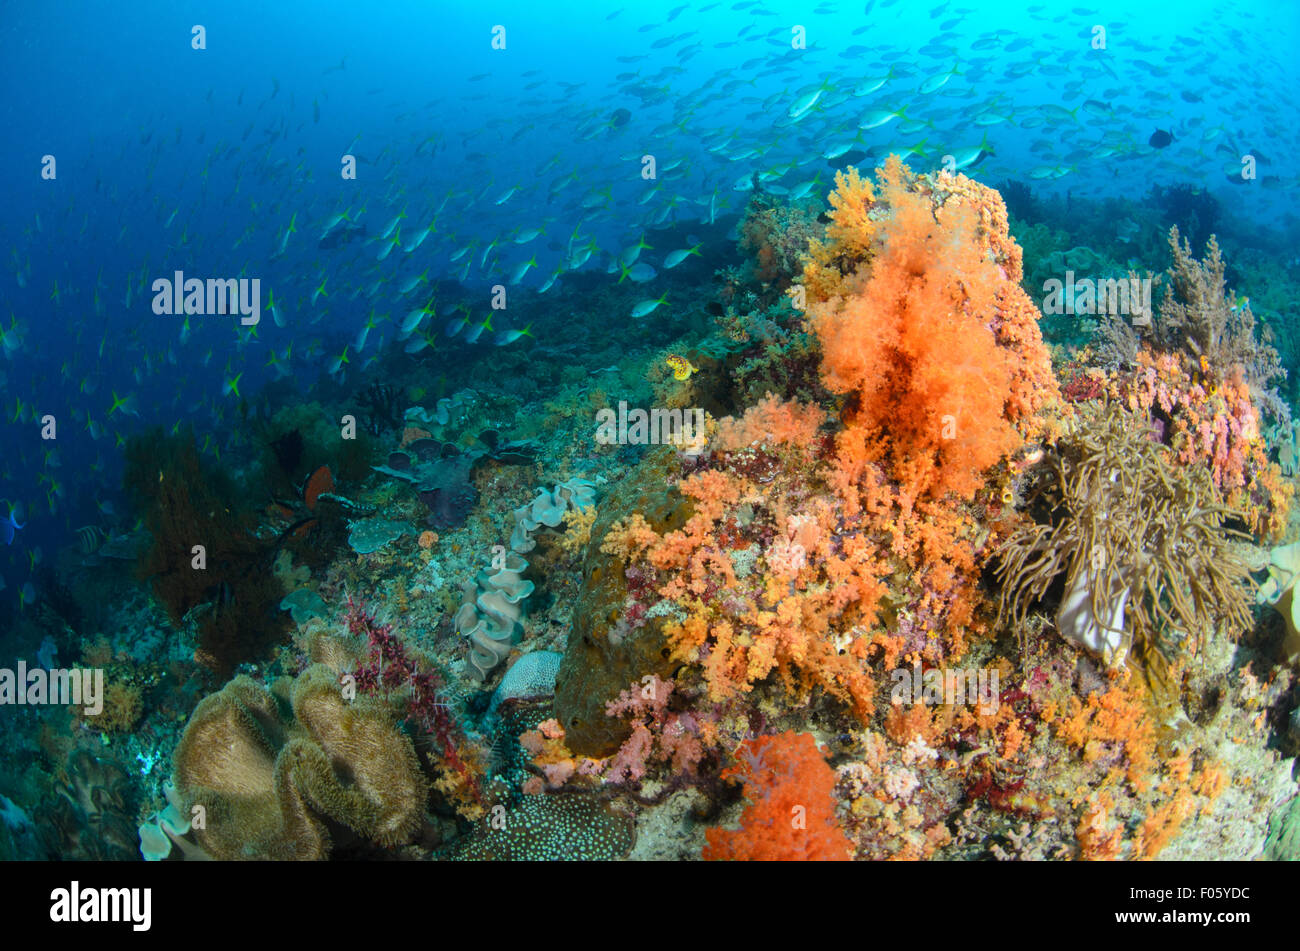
(268, 783)
(934, 338)
(791, 811)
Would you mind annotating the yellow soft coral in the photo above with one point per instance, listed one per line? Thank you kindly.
(577, 525)
(848, 236)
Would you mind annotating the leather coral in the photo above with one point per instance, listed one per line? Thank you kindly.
(268, 782)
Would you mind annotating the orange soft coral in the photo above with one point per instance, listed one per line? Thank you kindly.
(935, 340)
(770, 420)
(791, 811)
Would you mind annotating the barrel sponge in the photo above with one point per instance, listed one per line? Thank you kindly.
(227, 762)
(268, 780)
(381, 793)
(605, 652)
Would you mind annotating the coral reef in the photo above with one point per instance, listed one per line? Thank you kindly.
(776, 235)
(1206, 381)
(920, 586)
(441, 472)
(91, 814)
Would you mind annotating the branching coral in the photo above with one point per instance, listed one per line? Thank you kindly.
(1134, 538)
(1199, 317)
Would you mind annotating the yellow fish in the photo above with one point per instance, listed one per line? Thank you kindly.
(681, 367)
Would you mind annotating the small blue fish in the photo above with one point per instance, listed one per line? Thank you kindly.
(10, 527)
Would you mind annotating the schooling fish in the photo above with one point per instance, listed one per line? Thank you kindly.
(341, 235)
(510, 336)
(9, 526)
(647, 307)
(472, 335)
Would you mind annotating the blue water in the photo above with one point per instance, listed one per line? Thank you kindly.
(173, 158)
